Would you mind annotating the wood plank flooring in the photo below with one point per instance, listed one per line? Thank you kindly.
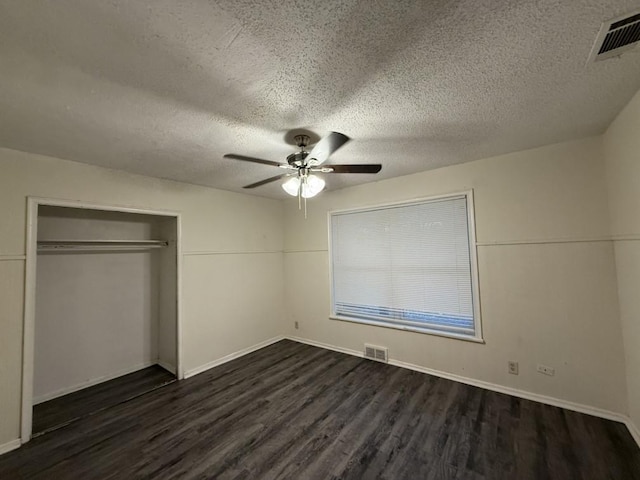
(291, 411)
(53, 414)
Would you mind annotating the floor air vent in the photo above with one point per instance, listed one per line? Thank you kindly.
(381, 354)
(617, 36)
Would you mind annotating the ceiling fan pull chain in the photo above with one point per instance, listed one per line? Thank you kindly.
(304, 184)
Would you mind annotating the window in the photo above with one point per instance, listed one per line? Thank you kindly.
(410, 266)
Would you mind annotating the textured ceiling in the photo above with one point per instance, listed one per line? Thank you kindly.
(165, 88)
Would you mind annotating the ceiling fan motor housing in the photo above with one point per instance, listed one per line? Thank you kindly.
(297, 159)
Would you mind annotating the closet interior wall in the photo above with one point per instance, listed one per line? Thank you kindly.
(105, 313)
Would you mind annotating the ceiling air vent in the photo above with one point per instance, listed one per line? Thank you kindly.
(617, 36)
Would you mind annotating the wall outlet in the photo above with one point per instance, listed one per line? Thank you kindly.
(546, 370)
(513, 368)
(295, 324)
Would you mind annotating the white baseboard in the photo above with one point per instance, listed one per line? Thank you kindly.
(90, 383)
(12, 445)
(167, 366)
(556, 402)
(577, 407)
(326, 346)
(633, 430)
(231, 356)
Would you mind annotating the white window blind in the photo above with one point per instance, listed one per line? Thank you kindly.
(406, 265)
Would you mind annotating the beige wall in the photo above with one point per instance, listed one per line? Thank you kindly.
(96, 318)
(547, 274)
(622, 153)
(548, 279)
(98, 313)
(227, 239)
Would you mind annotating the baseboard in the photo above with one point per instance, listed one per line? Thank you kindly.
(232, 356)
(556, 402)
(12, 445)
(90, 383)
(167, 366)
(326, 346)
(633, 430)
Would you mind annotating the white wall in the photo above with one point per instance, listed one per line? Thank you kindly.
(97, 313)
(167, 305)
(223, 233)
(622, 153)
(96, 318)
(547, 280)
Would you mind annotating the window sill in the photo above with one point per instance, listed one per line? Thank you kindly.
(406, 328)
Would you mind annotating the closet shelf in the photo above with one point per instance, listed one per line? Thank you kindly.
(96, 245)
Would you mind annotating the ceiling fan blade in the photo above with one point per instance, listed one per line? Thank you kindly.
(268, 180)
(356, 168)
(326, 147)
(255, 160)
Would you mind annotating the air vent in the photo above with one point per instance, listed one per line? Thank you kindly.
(617, 36)
(381, 354)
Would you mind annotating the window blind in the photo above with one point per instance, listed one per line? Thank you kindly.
(406, 265)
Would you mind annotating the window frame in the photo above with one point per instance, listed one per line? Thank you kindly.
(473, 258)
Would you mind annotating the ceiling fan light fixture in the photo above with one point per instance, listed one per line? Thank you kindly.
(291, 186)
(313, 186)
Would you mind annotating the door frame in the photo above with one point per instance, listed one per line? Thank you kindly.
(28, 346)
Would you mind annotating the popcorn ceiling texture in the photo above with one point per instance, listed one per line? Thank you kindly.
(165, 88)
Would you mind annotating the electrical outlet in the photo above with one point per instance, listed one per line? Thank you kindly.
(513, 368)
(546, 370)
(296, 325)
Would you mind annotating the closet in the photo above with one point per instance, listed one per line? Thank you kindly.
(105, 310)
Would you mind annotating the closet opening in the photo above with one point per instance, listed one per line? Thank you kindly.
(101, 309)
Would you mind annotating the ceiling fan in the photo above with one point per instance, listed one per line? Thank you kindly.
(304, 165)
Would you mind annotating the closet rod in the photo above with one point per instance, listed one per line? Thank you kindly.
(96, 245)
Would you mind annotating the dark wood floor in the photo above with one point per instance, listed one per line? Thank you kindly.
(48, 416)
(291, 411)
